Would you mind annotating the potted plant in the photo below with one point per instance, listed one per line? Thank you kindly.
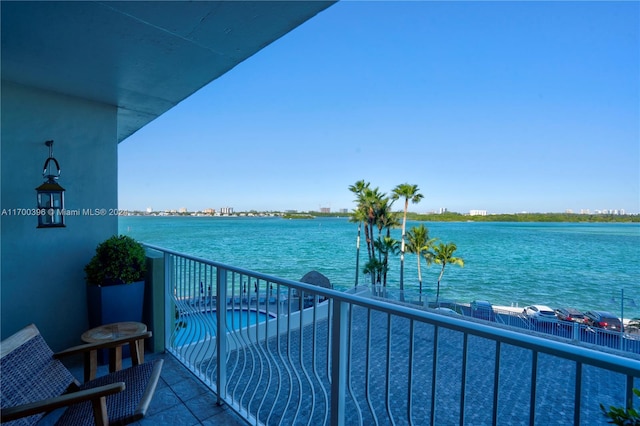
(115, 278)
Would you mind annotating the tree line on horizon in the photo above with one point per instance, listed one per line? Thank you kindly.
(511, 217)
(524, 217)
(374, 215)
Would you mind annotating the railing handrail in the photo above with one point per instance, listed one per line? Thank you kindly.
(628, 365)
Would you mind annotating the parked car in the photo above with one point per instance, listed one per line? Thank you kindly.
(447, 311)
(539, 313)
(483, 310)
(603, 319)
(570, 314)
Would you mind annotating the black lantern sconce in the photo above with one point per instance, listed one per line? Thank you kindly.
(50, 195)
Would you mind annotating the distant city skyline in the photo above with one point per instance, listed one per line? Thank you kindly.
(506, 107)
(473, 212)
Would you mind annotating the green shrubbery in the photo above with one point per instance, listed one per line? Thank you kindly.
(118, 260)
(622, 416)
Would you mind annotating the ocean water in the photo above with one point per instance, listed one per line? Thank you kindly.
(584, 265)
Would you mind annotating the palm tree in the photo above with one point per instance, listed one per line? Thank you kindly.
(359, 216)
(386, 219)
(374, 210)
(408, 192)
(371, 202)
(375, 268)
(385, 246)
(418, 242)
(443, 254)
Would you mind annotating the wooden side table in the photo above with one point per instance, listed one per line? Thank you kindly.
(110, 332)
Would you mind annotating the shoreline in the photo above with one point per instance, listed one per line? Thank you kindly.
(429, 217)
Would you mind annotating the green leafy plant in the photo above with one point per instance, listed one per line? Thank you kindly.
(622, 416)
(118, 260)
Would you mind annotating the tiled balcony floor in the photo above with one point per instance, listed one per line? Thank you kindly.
(180, 398)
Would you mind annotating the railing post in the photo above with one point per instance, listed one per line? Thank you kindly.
(169, 316)
(339, 345)
(221, 334)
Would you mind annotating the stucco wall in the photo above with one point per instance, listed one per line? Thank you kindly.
(42, 279)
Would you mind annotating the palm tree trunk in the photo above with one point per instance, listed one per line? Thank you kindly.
(404, 227)
(439, 278)
(370, 249)
(419, 273)
(385, 263)
(358, 253)
(386, 260)
(368, 229)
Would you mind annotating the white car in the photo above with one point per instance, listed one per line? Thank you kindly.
(447, 311)
(540, 313)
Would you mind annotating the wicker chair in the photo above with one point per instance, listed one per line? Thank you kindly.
(34, 382)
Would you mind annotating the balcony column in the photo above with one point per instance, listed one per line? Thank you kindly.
(339, 353)
(155, 296)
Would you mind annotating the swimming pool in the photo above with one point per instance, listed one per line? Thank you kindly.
(194, 327)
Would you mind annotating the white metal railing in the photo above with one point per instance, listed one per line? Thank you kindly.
(300, 354)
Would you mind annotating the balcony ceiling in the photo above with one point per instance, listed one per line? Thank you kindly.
(144, 57)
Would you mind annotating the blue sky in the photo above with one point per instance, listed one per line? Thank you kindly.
(499, 106)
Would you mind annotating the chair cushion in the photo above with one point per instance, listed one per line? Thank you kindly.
(29, 373)
(123, 407)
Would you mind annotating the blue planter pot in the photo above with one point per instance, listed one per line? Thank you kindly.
(115, 303)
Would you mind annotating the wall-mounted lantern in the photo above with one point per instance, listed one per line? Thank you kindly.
(50, 195)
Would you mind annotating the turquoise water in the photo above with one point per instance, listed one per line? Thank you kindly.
(558, 264)
(194, 331)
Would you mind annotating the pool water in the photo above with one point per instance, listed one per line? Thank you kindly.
(198, 326)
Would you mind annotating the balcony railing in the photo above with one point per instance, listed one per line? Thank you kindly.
(286, 352)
